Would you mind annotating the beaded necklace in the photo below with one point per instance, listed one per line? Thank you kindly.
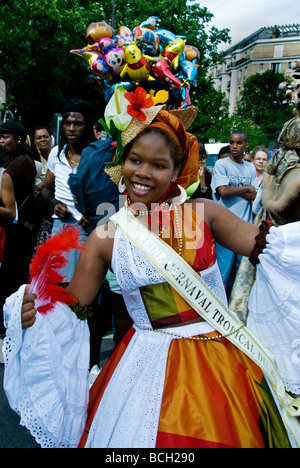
(163, 205)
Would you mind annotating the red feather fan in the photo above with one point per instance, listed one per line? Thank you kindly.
(45, 266)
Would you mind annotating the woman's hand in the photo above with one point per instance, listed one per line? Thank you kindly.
(28, 311)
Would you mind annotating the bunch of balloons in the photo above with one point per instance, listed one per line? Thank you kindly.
(146, 53)
(292, 91)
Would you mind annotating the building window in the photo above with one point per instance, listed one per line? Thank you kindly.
(276, 67)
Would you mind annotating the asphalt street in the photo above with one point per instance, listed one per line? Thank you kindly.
(12, 434)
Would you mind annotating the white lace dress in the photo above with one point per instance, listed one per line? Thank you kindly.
(215, 397)
(274, 303)
(138, 380)
(46, 366)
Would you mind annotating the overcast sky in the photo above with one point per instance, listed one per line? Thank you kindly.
(244, 17)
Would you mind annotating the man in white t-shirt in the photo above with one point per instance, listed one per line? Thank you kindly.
(76, 132)
(234, 184)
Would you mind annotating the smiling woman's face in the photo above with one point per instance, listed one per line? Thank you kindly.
(148, 168)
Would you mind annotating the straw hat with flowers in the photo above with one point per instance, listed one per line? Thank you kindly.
(128, 114)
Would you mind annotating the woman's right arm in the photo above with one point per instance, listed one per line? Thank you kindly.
(93, 263)
(92, 266)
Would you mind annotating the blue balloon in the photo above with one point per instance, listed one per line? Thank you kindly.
(110, 87)
(188, 70)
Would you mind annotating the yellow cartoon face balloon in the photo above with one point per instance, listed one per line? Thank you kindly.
(136, 66)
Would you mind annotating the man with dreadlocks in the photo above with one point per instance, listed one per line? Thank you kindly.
(76, 132)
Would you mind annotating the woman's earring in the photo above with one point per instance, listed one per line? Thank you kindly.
(174, 179)
(181, 198)
(121, 185)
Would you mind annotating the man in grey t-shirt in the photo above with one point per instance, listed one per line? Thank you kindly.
(234, 184)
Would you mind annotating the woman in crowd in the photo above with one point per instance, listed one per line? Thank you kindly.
(7, 202)
(21, 235)
(7, 195)
(260, 157)
(42, 143)
(173, 381)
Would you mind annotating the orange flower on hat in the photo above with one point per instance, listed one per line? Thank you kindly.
(138, 100)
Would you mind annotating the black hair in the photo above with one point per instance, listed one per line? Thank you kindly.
(23, 148)
(224, 150)
(87, 111)
(200, 140)
(97, 126)
(240, 132)
(16, 129)
(41, 127)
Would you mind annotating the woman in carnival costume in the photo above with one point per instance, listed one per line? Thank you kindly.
(175, 379)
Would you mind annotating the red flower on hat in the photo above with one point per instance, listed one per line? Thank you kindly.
(138, 101)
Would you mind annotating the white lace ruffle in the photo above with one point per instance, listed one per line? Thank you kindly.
(46, 373)
(274, 314)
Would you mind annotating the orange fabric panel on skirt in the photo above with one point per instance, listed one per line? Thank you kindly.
(211, 397)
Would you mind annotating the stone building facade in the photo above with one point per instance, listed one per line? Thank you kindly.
(270, 48)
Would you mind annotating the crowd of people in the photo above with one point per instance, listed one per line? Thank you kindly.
(42, 204)
(175, 378)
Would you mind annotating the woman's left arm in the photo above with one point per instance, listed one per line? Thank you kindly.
(229, 230)
(8, 211)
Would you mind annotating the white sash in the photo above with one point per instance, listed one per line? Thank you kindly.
(195, 291)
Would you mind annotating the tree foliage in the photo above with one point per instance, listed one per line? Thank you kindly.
(35, 63)
(36, 37)
(261, 104)
(212, 111)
